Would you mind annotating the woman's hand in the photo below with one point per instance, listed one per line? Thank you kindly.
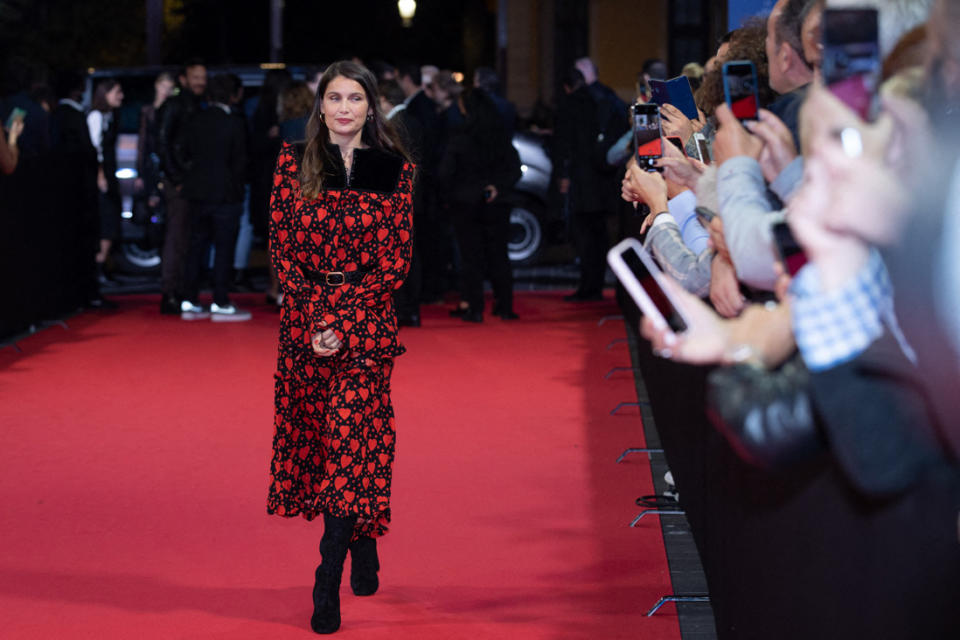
(326, 343)
(489, 193)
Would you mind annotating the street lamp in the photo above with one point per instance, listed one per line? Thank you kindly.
(407, 8)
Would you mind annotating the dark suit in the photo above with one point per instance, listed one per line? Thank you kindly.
(215, 159)
(174, 116)
(407, 298)
(575, 140)
(74, 164)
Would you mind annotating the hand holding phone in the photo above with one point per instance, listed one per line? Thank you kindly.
(16, 114)
(646, 284)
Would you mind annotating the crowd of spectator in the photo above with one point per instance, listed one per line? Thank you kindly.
(208, 178)
(865, 334)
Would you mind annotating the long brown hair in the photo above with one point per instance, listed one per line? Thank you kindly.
(99, 101)
(746, 43)
(378, 133)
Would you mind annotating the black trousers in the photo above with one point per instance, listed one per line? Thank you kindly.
(482, 231)
(217, 223)
(176, 241)
(590, 240)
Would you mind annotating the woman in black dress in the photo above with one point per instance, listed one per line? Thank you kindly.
(341, 230)
(104, 129)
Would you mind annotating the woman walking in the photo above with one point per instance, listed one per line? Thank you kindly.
(341, 239)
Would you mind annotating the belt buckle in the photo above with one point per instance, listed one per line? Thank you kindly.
(339, 279)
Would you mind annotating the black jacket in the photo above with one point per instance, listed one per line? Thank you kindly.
(463, 174)
(574, 152)
(175, 114)
(215, 155)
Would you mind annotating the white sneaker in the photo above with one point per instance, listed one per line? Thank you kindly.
(228, 313)
(190, 311)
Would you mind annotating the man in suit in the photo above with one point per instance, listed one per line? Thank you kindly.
(215, 160)
(581, 181)
(174, 116)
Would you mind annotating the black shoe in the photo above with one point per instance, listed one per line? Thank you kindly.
(507, 315)
(169, 305)
(584, 296)
(472, 316)
(326, 590)
(364, 565)
(241, 282)
(411, 320)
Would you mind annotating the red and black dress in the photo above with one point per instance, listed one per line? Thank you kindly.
(333, 448)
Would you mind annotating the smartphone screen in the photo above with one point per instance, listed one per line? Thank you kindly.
(740, 89)
(652, 288)
(646, 134)
(703, 148)
(791, 254)
(851, 57)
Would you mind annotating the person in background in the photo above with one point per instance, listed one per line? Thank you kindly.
(312, 75)
(694, 73)
(393, 105)
(215, 157)
(478, 169)
(582, 182)
(103, 124)
(150, 177)
(296, 101)
(74, 165)
(264, 145)
(487, 79)
(652, 69)
(174, 115)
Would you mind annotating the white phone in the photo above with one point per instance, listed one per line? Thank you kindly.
(645, 283)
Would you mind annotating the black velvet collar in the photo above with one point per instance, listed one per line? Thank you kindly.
(373, 170)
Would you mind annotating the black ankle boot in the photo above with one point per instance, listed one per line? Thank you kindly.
(326, 590)
(364, 565)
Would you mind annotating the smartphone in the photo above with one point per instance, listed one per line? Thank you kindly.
(851, 58)
(644, 281)
(703, 149)
(740, 89)
(677, 92)
(16, 114)
(705, 215)
(646, 134)
(678, 143)
(791, 254)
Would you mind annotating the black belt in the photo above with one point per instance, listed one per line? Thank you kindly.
(336, 278)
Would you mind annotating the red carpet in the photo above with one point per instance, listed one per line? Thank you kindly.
(133, 477)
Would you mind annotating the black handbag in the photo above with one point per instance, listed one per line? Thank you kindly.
(766, 416)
